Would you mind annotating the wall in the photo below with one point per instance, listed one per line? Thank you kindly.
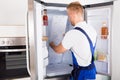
(12, 18)
(12, 12)
(12, 31)
(116, 41)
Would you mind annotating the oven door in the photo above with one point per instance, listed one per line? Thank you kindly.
(13, 61)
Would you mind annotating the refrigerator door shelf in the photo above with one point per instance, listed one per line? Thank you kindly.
(102, 77)
(44, 38)
(102, 67)
(45, 52)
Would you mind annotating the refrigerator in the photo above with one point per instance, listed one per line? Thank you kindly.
(42, 62)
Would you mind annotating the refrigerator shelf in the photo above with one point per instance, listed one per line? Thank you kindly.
(102, 67)
(101, 61)
(44, 38)
(58, 69)
(105, 74)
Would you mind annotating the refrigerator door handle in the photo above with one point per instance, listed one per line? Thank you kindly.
(27, 48)
(32, 64)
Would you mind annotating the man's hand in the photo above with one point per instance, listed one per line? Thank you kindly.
(52, 45)
(58, 49)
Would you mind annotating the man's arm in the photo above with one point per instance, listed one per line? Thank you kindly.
(59, 48)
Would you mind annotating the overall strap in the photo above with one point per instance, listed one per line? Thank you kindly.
(92, 48)
(75, 74)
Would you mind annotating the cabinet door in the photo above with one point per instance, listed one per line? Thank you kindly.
(88, 2)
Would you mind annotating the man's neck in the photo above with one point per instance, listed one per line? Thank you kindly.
(79, 21)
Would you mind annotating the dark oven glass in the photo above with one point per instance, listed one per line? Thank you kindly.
(13, 61)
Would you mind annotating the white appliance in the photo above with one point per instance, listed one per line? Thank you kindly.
(42, 61)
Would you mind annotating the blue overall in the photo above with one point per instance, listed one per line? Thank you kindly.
(84, 73)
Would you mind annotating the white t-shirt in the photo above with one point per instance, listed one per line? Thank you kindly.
(79, 44)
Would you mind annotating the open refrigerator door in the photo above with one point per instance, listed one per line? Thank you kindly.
(100, 18)
(46, 23)
(53, 64)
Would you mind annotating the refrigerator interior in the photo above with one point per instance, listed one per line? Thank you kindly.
(54, 64)
(59, 64)
(97, 16)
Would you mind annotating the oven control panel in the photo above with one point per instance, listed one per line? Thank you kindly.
(12, 41)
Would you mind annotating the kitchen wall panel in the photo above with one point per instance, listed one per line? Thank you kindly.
(12, 12)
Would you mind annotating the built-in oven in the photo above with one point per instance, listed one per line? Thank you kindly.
(12, 57)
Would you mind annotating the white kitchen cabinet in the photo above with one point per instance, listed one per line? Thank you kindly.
(89, 2)
(12, 12)
(12, 31)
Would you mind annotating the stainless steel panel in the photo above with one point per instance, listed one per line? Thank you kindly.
(31, 47)
(12, 50)
(12, 41)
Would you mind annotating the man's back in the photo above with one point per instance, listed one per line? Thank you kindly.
(79, 44)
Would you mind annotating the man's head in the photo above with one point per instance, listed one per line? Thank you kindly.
(75, 12)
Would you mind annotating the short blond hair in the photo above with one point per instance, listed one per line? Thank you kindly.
(75, 6)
